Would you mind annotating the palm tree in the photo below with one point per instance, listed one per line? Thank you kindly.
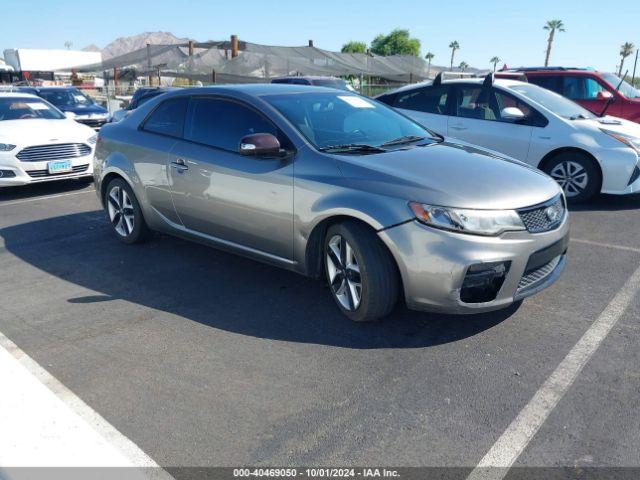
(495, 61)
(429, 56)
(553, 26)
(463, 66)
(625, 50)
(68, 44)
(453, 46)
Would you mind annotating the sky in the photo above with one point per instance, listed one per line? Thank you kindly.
(511, 30)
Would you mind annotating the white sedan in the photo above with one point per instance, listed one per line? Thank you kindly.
(38, 143)
(584, 153)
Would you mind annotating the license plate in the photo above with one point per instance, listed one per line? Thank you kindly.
(62, 166)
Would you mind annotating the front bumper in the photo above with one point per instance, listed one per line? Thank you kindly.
(16, 173)
(434, 263)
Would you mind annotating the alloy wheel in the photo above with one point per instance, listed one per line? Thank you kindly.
(344, 273)
(571, 176)
(121, 212)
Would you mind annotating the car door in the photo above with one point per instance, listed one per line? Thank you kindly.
(246, 201)
(477, 120)
(428, 106)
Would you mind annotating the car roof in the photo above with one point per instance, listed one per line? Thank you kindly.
(307, 77)
(256, 89)
(53, 88)
(18, 95)
(500, 82)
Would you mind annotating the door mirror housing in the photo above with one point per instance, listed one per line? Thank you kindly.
(604, 95)
(260, 145)
(512, 114)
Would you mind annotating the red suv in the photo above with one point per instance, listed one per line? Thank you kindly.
(592, 89)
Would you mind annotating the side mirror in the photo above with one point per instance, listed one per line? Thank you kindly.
(259, 145)
(70, 115)
(604, 95)
(512, 114)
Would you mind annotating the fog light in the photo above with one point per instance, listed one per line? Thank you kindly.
(483, 281)
(7, 174)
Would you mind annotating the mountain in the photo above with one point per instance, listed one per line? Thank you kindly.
(91, 48)
(124, 45)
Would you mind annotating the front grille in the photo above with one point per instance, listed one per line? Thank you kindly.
(45, 173)
(92, 122)
(545, 217)
(534, 277)
(59, 151)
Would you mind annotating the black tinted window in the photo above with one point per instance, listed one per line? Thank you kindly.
(549, 82)
(168, 118)
(429, 100)
(222, 123)
(476, 102)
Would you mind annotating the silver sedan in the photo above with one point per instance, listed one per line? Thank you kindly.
(333, 185)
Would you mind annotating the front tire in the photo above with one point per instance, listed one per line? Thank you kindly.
(577, 174)
(362, 275)
(124, 212)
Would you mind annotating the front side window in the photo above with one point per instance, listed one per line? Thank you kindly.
(12, 108)
(475, 102)
(66, 97)
(581, 88)
(341, 118)
(222, 123)
(532, 116)
(428, 100)
(168, 117)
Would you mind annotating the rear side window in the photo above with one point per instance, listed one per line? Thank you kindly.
(581, 88)
(428, 100)
(168, 117)
(222, 123)
(550, 82)
(475, 102)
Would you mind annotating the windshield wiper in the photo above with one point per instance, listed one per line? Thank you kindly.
(402, 140)
(352, 147)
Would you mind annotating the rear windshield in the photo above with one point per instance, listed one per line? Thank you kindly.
(66, 97)
(16, 108)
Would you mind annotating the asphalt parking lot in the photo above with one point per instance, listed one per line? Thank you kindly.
(203, 358)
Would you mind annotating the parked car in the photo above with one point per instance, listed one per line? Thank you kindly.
(39, 144)
(331, 184)
(140, 96)
(70, 99)
(596, 91)
(330, 82)
(584, 153)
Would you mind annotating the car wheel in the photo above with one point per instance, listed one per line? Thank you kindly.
(124, 212)
(361, 273)
(577, 174)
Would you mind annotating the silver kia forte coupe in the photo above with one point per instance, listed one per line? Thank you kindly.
(331, 184)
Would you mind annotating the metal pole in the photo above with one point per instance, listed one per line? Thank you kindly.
(190, 61)
(234, 46)
(635, 64)
(149, 70)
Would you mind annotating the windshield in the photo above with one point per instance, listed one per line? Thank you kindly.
(625, 89)
(66, 98)
(26, 108)
(552, 101)
(338, 119)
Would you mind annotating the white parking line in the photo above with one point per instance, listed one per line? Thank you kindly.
(44, 424)
(517, 436)
(606, 245)
(46, 197)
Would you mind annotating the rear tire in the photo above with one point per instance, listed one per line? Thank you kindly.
(124, 213)
(362, 275)
(577, 174)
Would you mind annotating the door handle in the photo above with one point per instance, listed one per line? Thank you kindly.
(458, 127)
(180, 165)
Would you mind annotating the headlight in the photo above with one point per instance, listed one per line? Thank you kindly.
(478, 222)
(93, 139)
(631, 142)
(6, 147)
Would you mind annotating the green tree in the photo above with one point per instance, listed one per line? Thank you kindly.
(397, 42)
(553, 26)
(354, 47)
(68, 44)
(463, 66)
(453, 46)
(429, 56)
(495, 61)
(625, 50)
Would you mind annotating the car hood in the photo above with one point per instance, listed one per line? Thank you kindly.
(613, 124)
(41, 131)
(452, 174)
(83, 109)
